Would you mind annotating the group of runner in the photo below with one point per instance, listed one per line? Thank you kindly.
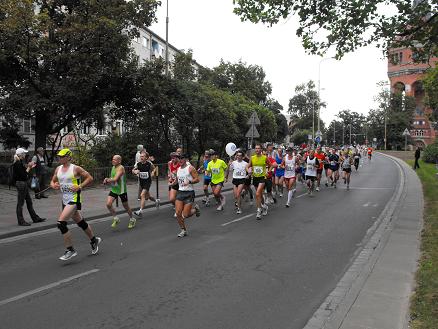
(269, 171)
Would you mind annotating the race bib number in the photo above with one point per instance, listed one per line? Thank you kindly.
(289, 168)
(310, 167)
(182, 181)
(66, 188)
(143, 175)
(356, 157)
(258, 170)
(241, 173)
(332, 163)
(215, 171)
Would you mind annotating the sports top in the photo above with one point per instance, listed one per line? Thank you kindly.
(206, 174)
(145, 170)
(239, 169)
(258, 166)
(217, 169)
(289, 166)
(311, 166)
(66, 180)
(185, 178)
(120, 186)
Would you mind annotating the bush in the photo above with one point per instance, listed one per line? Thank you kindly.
(430, 153)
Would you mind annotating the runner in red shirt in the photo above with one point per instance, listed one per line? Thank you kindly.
(321, 158)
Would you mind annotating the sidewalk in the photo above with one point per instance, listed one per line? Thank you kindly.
(93, 206)
(375, 291)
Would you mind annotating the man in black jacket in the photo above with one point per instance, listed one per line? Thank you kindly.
(21, 175)
(417, 156)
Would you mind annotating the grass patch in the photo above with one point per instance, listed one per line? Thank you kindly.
(424, 302)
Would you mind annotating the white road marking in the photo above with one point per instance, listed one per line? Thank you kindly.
(238, 219)
(375, 205)
(366, 204)
(46, 287)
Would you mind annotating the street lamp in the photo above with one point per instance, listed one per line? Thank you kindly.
(319, 89)
(167, 37)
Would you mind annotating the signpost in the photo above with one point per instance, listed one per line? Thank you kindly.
(252, 132)
(318, 138)
(406, 134)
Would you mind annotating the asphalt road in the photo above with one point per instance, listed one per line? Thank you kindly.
(272, 273)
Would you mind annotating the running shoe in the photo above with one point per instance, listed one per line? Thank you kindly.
(223, 200)
(95, 245)
(331, 184)
(132, 222)
(334, 185)
(280, 195)
(264, 210)
(274, 200)
(326, 184)
(207, 203)
(138, 213)
(236, 205)
(287, 205)
(220, 208)
(317, 189)
(115, 222)
(157, 203)
(174, 215)
(259, 214)
(197, 210)
(68, 254)
(204, 199)
(182, 234)
(238, 211)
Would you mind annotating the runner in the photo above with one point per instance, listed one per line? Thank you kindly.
(185, 198)
(143, 169)
(67, 178)
(326, 166)
(247, 190)
(356, 157)
(312, 165)
(270, 179)
(346, 161)
(216, 168)
(172, 168)
(207, 177)
(279, 173)
(118, 190)
(289, 165)
(333, 170)
(321, 159)
(238, 167)
(370, 153)
(257, 167)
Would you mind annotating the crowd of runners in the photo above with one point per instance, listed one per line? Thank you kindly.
(266, 174)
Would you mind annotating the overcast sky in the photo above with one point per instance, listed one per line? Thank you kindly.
(212, 31)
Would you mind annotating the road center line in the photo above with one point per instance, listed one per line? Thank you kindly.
(238, 219)
(46, 287)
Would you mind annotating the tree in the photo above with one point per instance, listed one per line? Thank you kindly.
(357, 123)
(300, 136)
(303, 107)
(280, 119)
(431, 89)
(182, 66)
(239, 78)
(64, 60)
(9, 136)
(347, 25)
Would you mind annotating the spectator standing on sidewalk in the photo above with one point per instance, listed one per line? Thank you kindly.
(140, 148)
(21, 171)
(417, 157)
(40, 172)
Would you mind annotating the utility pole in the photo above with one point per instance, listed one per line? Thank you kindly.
(350, 133)
(385, 130)
(334, 132)
(313, 121)
(343, 133)
(167, 37)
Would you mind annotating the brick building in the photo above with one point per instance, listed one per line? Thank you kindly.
(406, 76)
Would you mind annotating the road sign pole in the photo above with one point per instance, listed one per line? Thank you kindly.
(406, 142)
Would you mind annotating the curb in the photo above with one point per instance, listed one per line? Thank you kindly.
(89, 219)
(337, 304)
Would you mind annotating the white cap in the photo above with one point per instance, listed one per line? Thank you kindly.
(20, 151)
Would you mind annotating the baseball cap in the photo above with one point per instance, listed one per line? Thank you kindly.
(20, 151)
(64, 152)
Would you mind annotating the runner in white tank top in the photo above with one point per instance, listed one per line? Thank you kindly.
(185, 197)
(67, 178)
(238, 167)
(312, 164)
(289, 163)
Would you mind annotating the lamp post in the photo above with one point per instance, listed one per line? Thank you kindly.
(319, 89)
(167, 37)
(350, 133)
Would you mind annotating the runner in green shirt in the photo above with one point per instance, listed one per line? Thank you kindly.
(216, 168)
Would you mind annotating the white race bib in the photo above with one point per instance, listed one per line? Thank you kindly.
(258, 170)
(215, 171)
(143, 175)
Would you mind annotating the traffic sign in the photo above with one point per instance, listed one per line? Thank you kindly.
(254, 119)
(252, 132)
(318, 139)
(310, 137)
(318, 133)
(406, 132)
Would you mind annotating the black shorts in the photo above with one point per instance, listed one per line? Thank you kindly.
(77, 204)
(334, 168)
(326, 165)
(268, 185)
(123, 197)
(258, 180)
(145, 184)
(248, 181)
(174, 187)
(311, 178)
(346, 169)
(217, 184)
(186, 196)
(239, 181)
(207, 181)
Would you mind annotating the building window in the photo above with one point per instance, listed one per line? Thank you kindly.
(85, 130)
(145, 42)
(400, 58)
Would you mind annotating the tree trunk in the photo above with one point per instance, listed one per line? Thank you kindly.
(42, 127)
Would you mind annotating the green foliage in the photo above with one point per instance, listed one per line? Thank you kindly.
(431, 88)
(83, 156)
(430, 153)
(125, 146)
(347, 25)
(182, 66)
(9, 136)
(357, 122)
(300, 136)
(65, 61)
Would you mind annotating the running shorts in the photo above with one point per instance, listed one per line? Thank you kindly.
(334, 168)
(279, 172)
(77, 204)
(258, 180)
(311, 178)
(326, 165)
(186, 196)
(174, 187)
(207, 181)
(347, 169)
(238, 181)
(145, 184)
(220, 184)
(248, 181)
(123, 197)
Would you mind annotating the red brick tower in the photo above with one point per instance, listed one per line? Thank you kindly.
(405, 76)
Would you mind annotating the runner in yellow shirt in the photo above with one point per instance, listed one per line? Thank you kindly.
(216, 168)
